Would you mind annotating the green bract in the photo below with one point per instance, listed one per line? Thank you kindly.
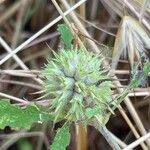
(71, 83)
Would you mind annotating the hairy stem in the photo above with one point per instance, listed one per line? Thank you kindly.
(107, 135)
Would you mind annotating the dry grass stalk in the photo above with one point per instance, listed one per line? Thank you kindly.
(131, 31)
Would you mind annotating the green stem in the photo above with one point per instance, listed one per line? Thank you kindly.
(107, 135)
(105, 132)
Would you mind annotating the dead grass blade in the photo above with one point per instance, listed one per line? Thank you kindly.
(131, 40)
(131, 7)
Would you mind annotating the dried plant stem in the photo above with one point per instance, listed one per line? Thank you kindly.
(134, 114)
(82, 133)
(8, 49)
(31, 57)
(137, 142)
(19, 74)
(81, 27)
(41, 139)
(17, 32)
(81, 137)
(82, 11)
(21, 71)
(13, 98)
(96, 27)
(143, 8)
(147, 25)
(18, 60)
(131, 126)
(21, 83)
(66, 21)
(16, 136)
(62, 14)
(19, 48)
(36, 73)
(122, 72)
(137, 119)
(42, 39)
(146, 93)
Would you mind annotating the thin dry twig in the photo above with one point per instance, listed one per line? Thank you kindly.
(81, 27)
(144, 21)
(130, 124)
(19, 74)
(21, 83)
(19, 48)
(14, 98)
(16, 136)
(96, 27)
(18, 60)
(137, 142)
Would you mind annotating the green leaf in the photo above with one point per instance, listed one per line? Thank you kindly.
(17, 118)
(146, 67)
(62, 139)
(90, 112)
(66, 35)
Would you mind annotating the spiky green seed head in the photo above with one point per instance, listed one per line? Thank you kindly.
(71, 84)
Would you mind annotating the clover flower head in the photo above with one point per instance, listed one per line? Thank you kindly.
(71, 84)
